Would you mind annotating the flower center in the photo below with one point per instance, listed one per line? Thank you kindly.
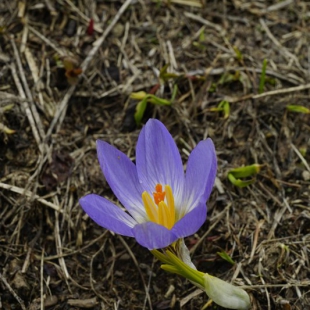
(160, 210)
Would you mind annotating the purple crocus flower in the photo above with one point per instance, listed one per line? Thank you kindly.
(163, 203)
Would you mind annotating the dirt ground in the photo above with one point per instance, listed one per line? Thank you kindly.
(67, 69)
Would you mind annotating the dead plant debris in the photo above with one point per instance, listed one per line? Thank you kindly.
(51, 113)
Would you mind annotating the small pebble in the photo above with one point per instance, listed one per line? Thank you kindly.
(306, 175)
(118, 30)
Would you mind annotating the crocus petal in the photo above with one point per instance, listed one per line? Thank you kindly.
(225, 294)
(190, 222)
(153, 236)
(121, 174)
(184, 254)
(158, 159)
(200, 174)
(108, 215)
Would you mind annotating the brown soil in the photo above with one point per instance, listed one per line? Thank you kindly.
(51, 254)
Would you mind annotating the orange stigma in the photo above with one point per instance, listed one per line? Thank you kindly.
(161, 210)
(159, 195)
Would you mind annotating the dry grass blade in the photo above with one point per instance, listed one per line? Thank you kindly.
(67, 69)
(33, 109)
(193, 3)
(26, 106)
(138, 268)
(61, 112)
(7, 285)
(30, 194)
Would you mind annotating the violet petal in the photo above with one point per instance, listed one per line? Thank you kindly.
(190, 222)
(158, 159)
(200, 174)
(153, 236)
(108, 215)
(121, 174)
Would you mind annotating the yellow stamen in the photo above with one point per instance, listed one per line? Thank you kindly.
(170, 202)
(161, 213)
(150, 207)
(158, 210)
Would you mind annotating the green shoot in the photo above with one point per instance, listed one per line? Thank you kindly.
(238, 53)
(164, 75)
(224, 107)
(234, 175)
(144, 99)
(226, 257)
(298, 109)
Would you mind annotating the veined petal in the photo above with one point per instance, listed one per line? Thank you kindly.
(108, 215)
(226, 295)
(200, 174)
(183, 254)
(153, 236)
(121, 174)
(191, 221)
(158, 159)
